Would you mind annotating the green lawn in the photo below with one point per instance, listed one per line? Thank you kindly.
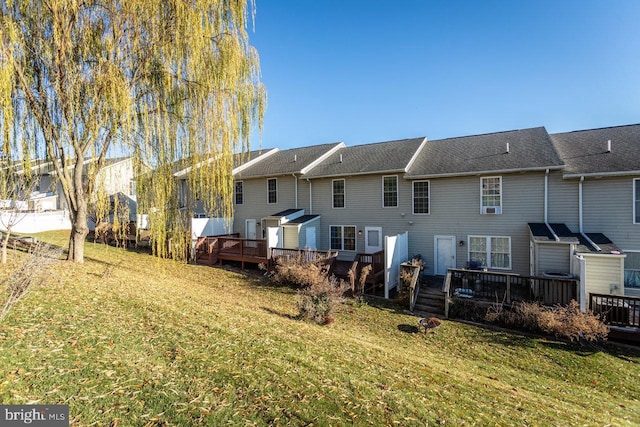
(127, 339)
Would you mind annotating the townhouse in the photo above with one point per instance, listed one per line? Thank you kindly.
(521, 201)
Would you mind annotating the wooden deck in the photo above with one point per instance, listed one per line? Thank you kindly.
(211, 250)
(214, 249)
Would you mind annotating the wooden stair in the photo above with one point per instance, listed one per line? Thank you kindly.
(430, 300)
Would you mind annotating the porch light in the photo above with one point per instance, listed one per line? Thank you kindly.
(461, 243)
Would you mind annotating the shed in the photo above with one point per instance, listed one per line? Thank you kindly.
(301, 232)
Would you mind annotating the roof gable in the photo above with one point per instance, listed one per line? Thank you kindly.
(292, 161)
(381, 157)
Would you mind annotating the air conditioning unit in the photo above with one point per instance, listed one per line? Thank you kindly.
(491, 210)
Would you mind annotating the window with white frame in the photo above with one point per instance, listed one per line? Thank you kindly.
(272, 190)
(420, 197)
(132, 187)
(338, 193)
(239, 193)
(390, 191)
(632, 270)
(491, 251)
(636, 201)
(491, 195)
(342, 237)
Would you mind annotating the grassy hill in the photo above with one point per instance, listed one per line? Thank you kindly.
(126, 339)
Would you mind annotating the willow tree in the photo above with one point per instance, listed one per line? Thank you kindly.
(160, 80)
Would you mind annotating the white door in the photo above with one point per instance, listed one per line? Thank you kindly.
(445, 254)
(250, 229)
(372, 239)
(311, 238)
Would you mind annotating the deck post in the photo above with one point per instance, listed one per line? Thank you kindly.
(508, 289)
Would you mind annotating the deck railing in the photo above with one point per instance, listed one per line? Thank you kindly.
(245, 248)
(617, 310)
(510, 287)
(307, 255)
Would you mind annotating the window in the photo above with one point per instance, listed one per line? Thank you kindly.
(632, 270)
(636, 201)
(390, 191)
(338, 193)
(272, 190)
(343, 237)
(132, 188)
(491, 252)
(239, 193)
(491, 195)
(421, 197)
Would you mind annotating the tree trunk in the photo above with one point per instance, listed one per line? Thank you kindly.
(79, 232)
(5, 243)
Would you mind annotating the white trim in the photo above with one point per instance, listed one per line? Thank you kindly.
(488, 250)
(599, 174)
(478, 173)
(322, 158)
(254, 161)
(268, 202)
(415, 155)
(413, 196)
(344, 194)
(235, 199)
(355, 238)
(397, 191)
(482, 207)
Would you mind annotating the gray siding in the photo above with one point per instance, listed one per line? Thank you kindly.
(255, 204)
(563, 201)
(608, 209)
(553, 258)
(454, 210)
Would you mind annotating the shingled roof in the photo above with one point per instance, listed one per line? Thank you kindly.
(286, 162)
(512, 151)
(586, 152)
(381, 157)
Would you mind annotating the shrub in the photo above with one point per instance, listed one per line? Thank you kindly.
(318, 294)
(562, 321)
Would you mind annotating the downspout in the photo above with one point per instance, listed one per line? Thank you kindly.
(310, 197)
(580, 216)
(546, 205)
(295, 183)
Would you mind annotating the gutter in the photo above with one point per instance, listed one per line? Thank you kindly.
(295, 184)
(580, 210)
(310, 197)
(478, 173)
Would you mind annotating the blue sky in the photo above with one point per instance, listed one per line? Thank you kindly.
(369, 71)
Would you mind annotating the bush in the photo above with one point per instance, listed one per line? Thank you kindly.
(318, 293)
(562, 321)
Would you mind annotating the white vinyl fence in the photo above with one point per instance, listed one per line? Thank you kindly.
(396, 251)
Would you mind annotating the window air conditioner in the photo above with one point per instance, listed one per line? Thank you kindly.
(491, 210)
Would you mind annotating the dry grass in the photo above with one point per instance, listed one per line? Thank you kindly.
(131, 340)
